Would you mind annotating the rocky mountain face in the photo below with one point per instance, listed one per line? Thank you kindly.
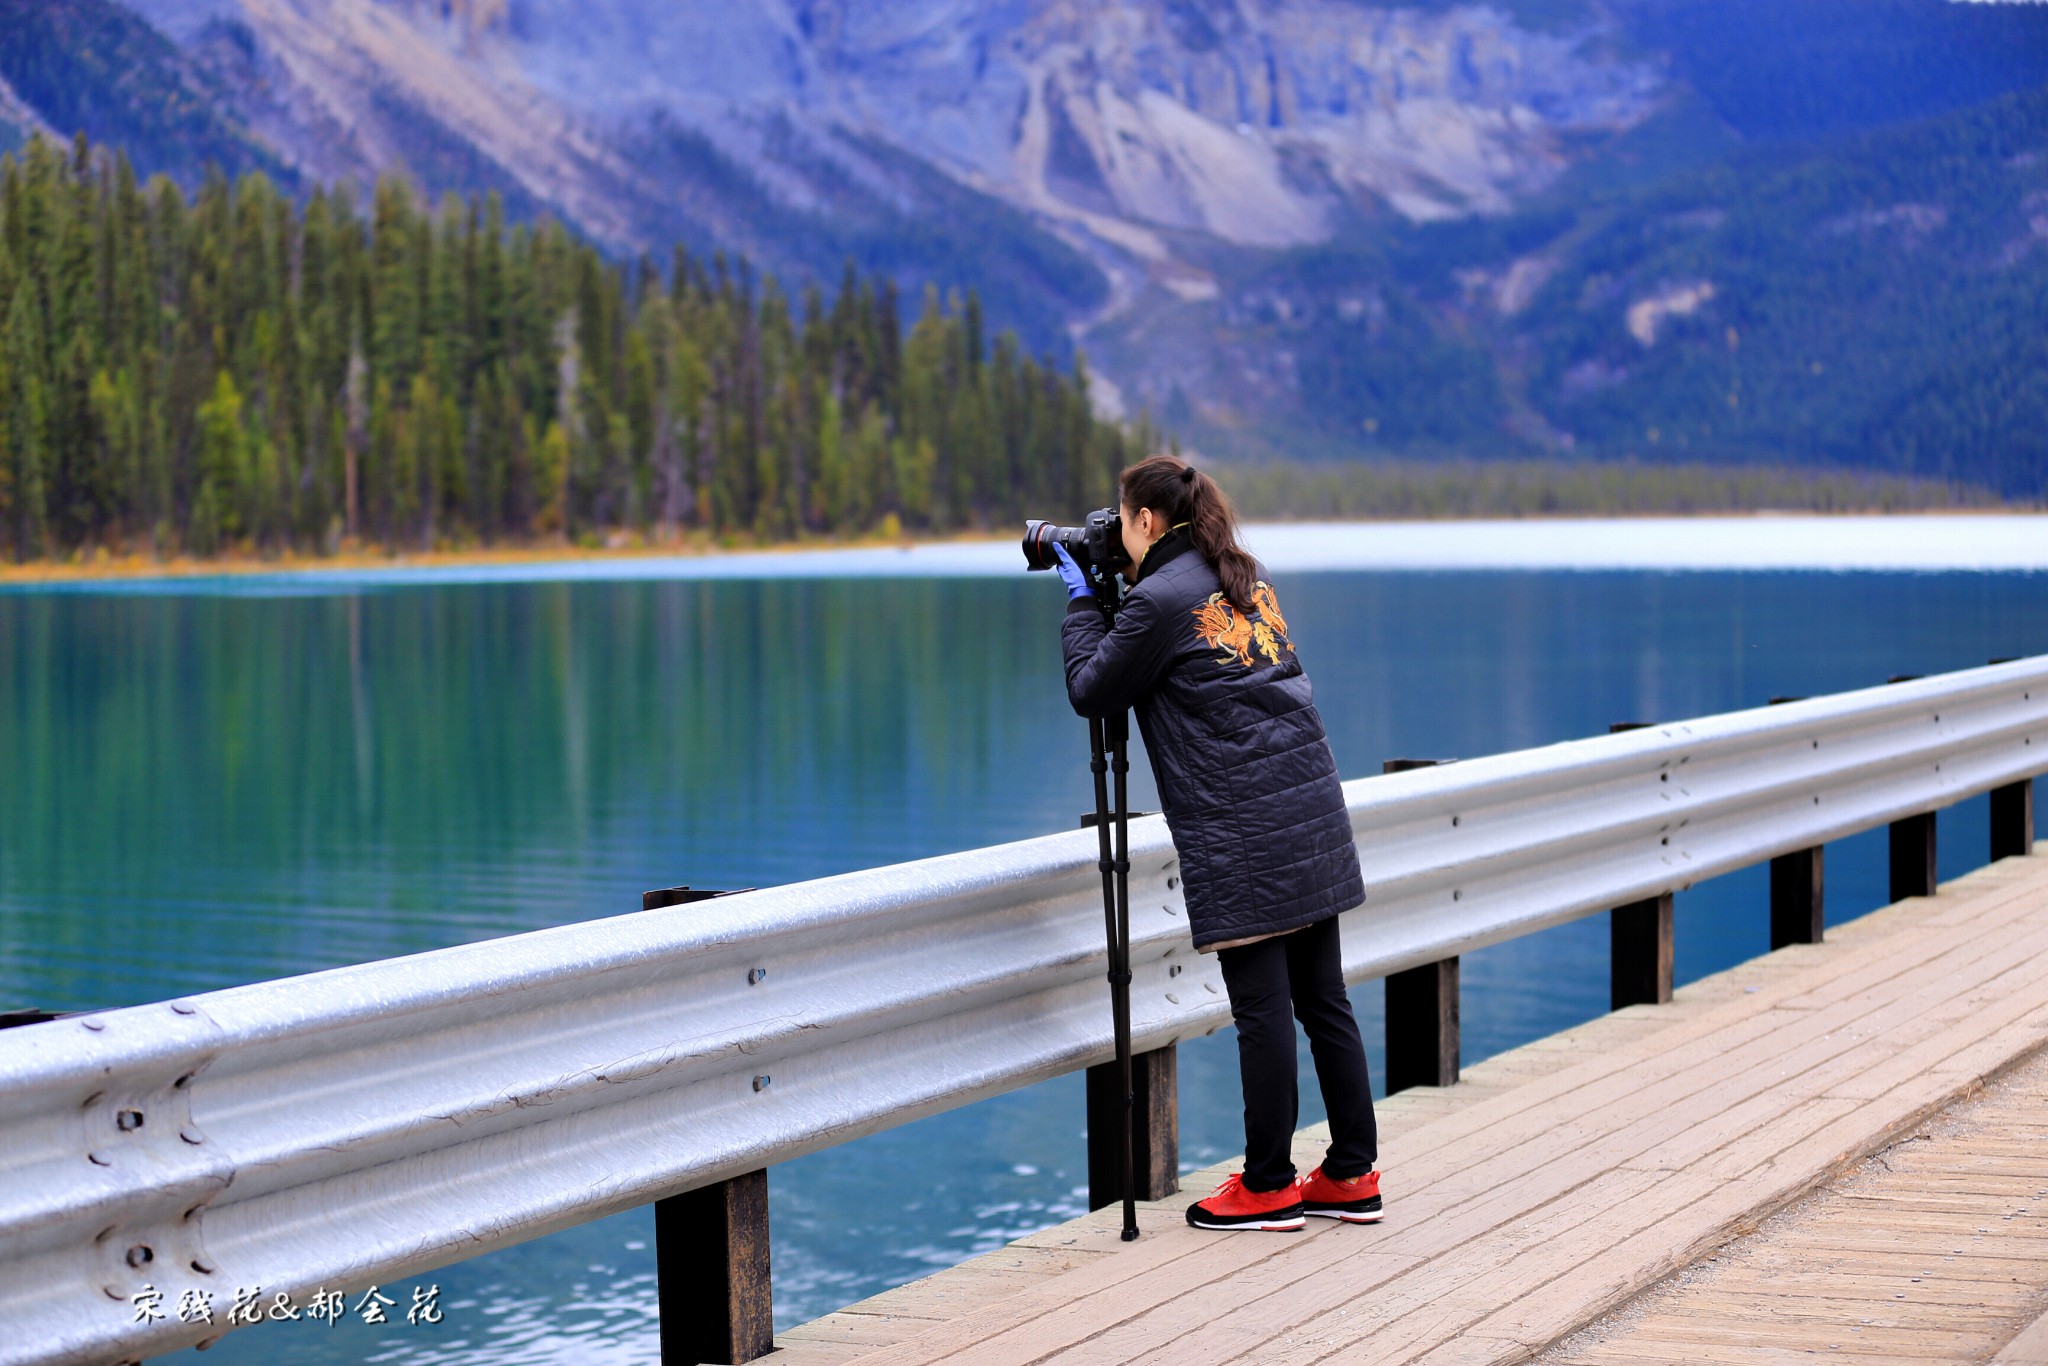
(1134, 135)
(1203, 193)
(1255, 123)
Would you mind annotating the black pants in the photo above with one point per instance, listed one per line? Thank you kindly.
(1305, 970)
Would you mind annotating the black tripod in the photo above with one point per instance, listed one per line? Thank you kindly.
(1108, 739)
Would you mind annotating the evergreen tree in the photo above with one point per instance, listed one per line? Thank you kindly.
(235, 371)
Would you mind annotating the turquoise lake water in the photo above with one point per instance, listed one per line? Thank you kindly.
(204, 788)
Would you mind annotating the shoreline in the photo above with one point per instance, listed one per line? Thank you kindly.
(105, 567)
(353, 561)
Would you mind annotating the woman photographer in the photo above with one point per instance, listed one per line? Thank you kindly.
(1249, 790)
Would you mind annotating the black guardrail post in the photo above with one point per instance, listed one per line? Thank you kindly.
(2012, 819)
(1639, 938)
(1639, 952)
(1422, 1026)
(711, 1255)
(1796, 885)
(1422, 1007)
(1155, 1128)
(1912, 856)
(1796, 892)
(711, 1247)
(1912, 840)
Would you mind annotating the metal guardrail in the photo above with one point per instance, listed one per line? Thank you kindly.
(373, 1122)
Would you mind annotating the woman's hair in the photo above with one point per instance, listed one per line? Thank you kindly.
(1169, 485)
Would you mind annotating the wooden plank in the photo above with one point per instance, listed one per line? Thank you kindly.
(1918, 1207)
(799, 1351)
(1733, 1073)
(867, 1331)
(1162, 1332)
(1060, 1312)
(1728, 1024)
(1917, 1344)
(1545, 1323)
(2030, 1348)
(937, 1299)
(1425, 1306)
(971, 1285)
(1802, 1314)
(1821, 1276)
(1645, 1098)
(1713, 1354)
(1834, 1268)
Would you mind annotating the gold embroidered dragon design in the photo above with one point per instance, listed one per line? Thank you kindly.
(1221, 626)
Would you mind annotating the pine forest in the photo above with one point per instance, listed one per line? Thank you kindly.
(237, 371)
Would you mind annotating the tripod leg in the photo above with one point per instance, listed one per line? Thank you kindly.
(1098, 765)
(1120, 958)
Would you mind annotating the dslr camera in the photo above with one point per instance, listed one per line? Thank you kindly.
(1097, 545)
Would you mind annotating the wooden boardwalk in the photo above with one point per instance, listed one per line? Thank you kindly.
(1557, 1183)
(1934, 1249)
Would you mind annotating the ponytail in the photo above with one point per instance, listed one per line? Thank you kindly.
(1169, 485)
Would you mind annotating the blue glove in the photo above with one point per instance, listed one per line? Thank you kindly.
(1077, 582)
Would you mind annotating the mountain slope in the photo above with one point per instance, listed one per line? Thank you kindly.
(1308, 225)
(1056, 155)
(1873, 302)
(1876, 303)
(91, 66)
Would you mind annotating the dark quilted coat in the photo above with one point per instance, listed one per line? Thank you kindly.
(1246, 779)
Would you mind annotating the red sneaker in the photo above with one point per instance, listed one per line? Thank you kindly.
(1234, 1207)
(1356, 1201)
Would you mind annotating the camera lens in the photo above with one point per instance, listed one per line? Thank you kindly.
(1038, 543)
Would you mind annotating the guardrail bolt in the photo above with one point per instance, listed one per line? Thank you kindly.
(140, 1255)
(755, 975)
(128, 1121)
(761, 1082)
(192, 1136)
(99, 1159)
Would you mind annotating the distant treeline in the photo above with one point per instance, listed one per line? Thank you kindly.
(240, 371)
(1530, 488)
